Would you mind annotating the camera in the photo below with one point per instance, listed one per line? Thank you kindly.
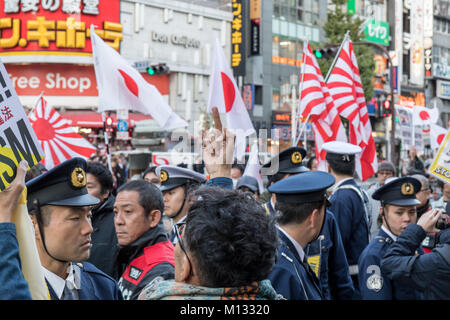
(444, 222)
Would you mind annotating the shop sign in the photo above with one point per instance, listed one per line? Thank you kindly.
(176, 39)
(237, 38)
(58, 27)
(377, 32)
(65, 80)
(255, 23)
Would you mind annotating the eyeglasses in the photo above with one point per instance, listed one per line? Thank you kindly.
(179, 229)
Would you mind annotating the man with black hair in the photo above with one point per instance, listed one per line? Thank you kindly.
(301, 203)
(60, 208)
(177, 186)
(398, 210)
(225, 250)
(348, 203)
(145, 250)
(150, 175)
(104, 240)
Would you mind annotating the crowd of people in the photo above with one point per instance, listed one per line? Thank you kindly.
(176, 233)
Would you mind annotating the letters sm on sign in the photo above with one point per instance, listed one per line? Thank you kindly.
(440, 168)
(17, 138)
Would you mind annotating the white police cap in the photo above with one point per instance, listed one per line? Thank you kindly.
(340, 151)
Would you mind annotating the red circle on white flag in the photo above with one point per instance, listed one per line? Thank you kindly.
(229, 93)
(440, 138)
(424, 115)
(130, 83)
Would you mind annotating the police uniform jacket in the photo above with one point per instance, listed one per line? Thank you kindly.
(95, 285)
(350, 214)
(12, 283)
(149, 256)
(373, 282)
(291, 277)
(326, 256)
(269, 208)
(429, 273)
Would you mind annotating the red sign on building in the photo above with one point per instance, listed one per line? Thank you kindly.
(57, 27)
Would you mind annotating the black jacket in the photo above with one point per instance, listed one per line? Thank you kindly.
(104, 239)
(429, 273)
(148, 257)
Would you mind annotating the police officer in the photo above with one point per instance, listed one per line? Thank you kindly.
(348, 203)
(60, 208)
(288, 162)
(177, 184)
(429, 272)
(301, 202)
(398, 210)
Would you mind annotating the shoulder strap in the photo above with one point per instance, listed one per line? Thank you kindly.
(444, 251)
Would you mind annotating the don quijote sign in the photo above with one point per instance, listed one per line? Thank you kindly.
(175, 39)
(60, 27)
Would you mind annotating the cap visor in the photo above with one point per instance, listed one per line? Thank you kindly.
(299, 169)
(166, 187)
(404, 202)
(78, 201)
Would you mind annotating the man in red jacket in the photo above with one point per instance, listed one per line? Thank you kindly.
(145, 250)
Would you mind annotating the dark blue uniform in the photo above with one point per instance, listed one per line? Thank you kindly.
(350, 214)
(373, 282)
(269, 208)
(327, 255)
(429, 272)
(95, 285)
(291, 277)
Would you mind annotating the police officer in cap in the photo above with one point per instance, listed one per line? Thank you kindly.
(348, 203)
(301, 204)
(287, 163)
(177, 185)
(60, 208)
(398, 210)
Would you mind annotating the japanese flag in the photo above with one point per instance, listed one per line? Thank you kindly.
(225, 95)
(425, 116)
(253, 167)
(437, 134)
(120, 86)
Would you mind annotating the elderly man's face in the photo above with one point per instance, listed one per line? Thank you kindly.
(423, 195)
(130, 218)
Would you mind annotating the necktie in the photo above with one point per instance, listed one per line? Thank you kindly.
(67, 293)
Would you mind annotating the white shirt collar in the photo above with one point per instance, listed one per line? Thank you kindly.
(297, 246)
(57, 283)
(272, 204)
(340, 182)
(390, 234)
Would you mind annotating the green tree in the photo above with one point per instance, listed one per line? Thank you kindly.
(338, 22)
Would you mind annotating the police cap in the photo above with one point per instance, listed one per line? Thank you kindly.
(302, 188)
(173, 176)
(289, 161)
(341, 151)
(400, 192)
(63, 185)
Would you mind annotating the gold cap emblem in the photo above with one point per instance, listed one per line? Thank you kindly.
(78, 177)
(163, 176)
(296, 157)
(407, 188)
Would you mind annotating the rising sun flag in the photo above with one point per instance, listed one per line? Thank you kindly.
(58, 138)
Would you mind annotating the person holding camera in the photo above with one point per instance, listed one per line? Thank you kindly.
(429, 273)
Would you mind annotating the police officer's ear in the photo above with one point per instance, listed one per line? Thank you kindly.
(154, 218)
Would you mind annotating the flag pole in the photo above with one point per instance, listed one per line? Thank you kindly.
(108, 154)
(294, 130)
(347, 34)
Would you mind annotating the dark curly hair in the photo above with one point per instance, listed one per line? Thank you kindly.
(231, 238)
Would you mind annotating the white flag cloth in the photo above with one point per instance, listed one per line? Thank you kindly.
(225, 95)
(424, 116)
(120, 86)
(437, 135)
(253, 167)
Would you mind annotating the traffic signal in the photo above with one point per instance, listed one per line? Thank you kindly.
(160, 68)
(387, 108)
(325, 53)
(108, 124)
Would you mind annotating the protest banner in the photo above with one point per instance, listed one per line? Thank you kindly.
(17, 138)
(19, 142)
(440, 168)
